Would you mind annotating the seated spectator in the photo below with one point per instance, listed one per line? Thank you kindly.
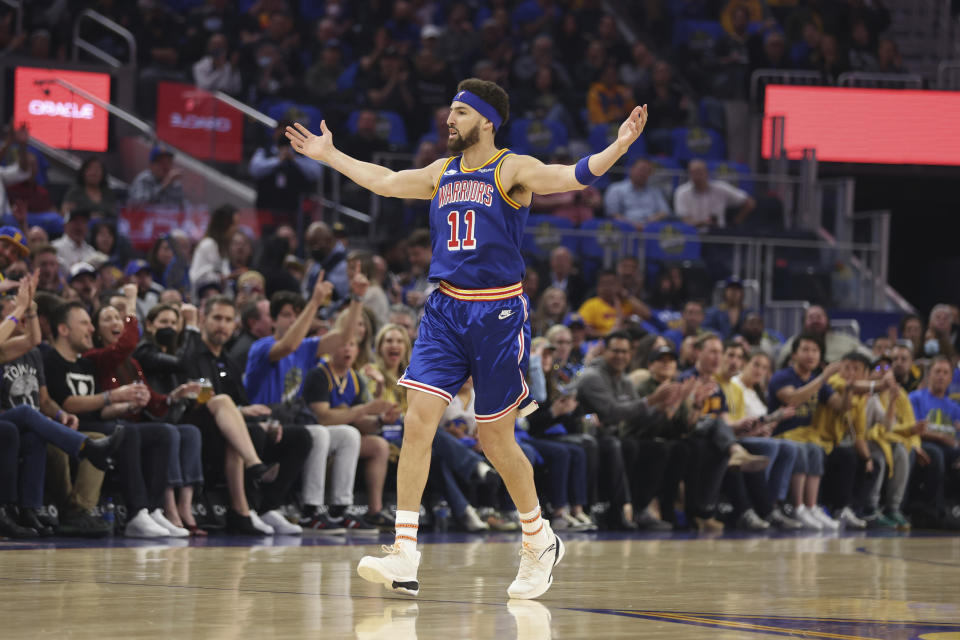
(240, 252)
(322, 77)
(768, 49)
(634, 199)
(115, 339)
(906, 372)
(667, 99)
(84, 286)
(752, 330)
(608, 101)
(416, 286)
(13, 247)
(691, 322)
(540, 55)
(72, 247)
(329, 255)
(159, 184)
(725, 319)
(893, 438)
(375, 299)
(888, 57)
(210, 263)
(610, 308)
(938, 338)
(911, 328)
(638, 71)
(91, 193)
(816, 322)
(577, 206)
(703, 203)
(251, 287)
(47, 268)
(631, 279)
(255, 323)
(941, 477)
(560, 274)
(36, 237)
(218, 71)
(273, 267)
(551, 309)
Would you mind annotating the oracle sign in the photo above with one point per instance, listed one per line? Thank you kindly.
(882, 126)
(57, 115)
(197, 122)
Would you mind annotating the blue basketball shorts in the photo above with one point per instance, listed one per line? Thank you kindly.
(484, 333)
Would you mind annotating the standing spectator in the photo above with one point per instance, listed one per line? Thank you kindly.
(217, 71)
(391, 87)
(72, 247)
(13, 174)
(634, 199)
(91, 193)
(210, 263)
(159, 184)
(273, 267)
(282, 177)
(703, 203)
(726, 318)
(561, 275)
(329, 257)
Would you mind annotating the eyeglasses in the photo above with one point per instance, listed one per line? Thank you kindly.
(881, 367)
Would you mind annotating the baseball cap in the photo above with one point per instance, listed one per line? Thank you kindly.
(136, 266)
(79, 269)
(733, 281)
(574, 320)
(15, 237)
(158, 151)
(656, 354)
(430, 31)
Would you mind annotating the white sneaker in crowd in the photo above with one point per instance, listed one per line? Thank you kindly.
(259, 524)
(397, 570)
(536, 567)
(828, 523)
(471, 520)
(807, 518)
(850, 520)
(143, 526)
(172, 530)
(281, 525)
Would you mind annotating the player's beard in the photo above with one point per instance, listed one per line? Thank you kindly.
(462, 142)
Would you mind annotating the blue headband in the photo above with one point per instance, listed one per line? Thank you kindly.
(482, 107)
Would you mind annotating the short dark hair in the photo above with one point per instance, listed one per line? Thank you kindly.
(938, 359)
(44, 248)
(856, 356)
(491, 93)
(47, 303)
(616, 335)
(707, 337)
(809, 337)
(213, 301)
(733, 344)
(420, 238)
(61, 314)
(157, 309)
(281, 299)
(250, 312)
(606, 272)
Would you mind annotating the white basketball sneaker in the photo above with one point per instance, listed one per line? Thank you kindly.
(397, 570)
(536, 568)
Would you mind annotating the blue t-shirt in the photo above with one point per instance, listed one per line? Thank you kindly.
(716, 404)
(272, 382)
(938, 412)
(788, 377)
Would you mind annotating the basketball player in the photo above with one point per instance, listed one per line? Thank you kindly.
(477, 322)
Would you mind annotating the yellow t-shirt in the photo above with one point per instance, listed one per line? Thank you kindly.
(736, 408)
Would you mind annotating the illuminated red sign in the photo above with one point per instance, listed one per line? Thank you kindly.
(57, 115)
(884, 126)
(196, 122)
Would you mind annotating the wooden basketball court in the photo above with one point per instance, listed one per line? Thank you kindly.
(856, 586)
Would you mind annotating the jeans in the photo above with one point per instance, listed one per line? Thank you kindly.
(185, 467)
(783, 456)
(342, 441)
(567, 469)
(22, 462)
(592, 449)
(454, 463)
(810, 459)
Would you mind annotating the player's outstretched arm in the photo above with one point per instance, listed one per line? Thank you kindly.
(558, 178)
(411, 183)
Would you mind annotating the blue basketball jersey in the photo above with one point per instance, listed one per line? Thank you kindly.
(475, 227)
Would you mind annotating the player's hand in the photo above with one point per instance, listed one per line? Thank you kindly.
(632, 127)
(320, 148)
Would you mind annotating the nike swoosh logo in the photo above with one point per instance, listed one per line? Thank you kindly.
(506, 313)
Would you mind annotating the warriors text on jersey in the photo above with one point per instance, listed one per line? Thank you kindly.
(476, 227)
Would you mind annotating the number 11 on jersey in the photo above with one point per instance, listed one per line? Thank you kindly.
(469, 220)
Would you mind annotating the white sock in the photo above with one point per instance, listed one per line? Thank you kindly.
(407, 524)
(534, 533)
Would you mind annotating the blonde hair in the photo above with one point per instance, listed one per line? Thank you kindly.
(389, 378)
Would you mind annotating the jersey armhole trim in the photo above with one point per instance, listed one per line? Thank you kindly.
(503, 192)
(440, 177)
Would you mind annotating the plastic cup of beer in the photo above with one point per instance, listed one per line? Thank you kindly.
(206, 391)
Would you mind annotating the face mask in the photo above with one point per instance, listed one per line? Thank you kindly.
(931, 347)
(166, 337)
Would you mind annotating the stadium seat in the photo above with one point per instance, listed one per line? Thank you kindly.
(733, 173)
(697, 142)
(537, 137)
(675, 242)
(609, 237)
(664, 163)
(697, 35)
(712, 114)
(543, 233)
(390, 126)
(305, 114)
(601, 135)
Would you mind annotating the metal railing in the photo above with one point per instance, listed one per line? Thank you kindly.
(80, 44)
(762, 77)
(70, 161)
(867, 79)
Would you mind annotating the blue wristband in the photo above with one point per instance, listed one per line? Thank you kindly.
(583, 174)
